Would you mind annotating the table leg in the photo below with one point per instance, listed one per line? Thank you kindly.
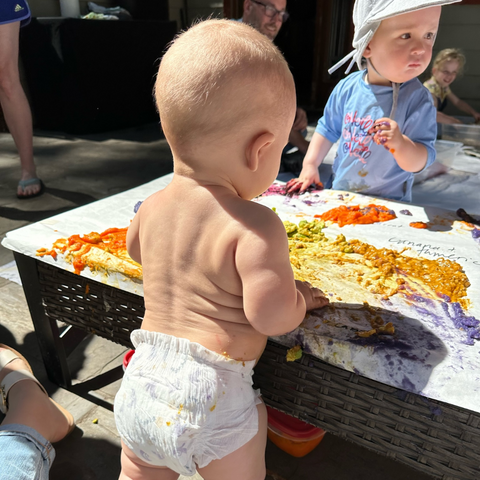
(49, 341)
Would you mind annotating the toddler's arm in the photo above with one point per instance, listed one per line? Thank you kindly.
(317, 151)
(444, 118)
(464, 106)
(410, 156)
(271, 300)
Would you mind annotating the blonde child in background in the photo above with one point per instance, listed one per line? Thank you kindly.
(448, 64)
(216, 269)
(382, 116)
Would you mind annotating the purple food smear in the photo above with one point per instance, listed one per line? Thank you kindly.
(280, 189)
(476, 234)
(470, 325)
(137, 206)
(406, 212)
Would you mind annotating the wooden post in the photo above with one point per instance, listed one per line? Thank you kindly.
(232, 8)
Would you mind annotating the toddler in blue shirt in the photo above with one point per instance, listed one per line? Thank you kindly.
(383, 117)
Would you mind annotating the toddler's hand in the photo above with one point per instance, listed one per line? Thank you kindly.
(308, 175)
(387, 133)
(314, 297)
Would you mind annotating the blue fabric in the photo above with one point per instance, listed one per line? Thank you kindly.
(14, 11)
(24, 453)
(361, 165)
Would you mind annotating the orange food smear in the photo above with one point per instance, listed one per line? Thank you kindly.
(419, 224)
(354, 215)
(112, 240)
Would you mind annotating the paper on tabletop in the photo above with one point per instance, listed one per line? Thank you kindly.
(427, 355)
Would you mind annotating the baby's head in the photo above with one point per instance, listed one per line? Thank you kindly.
(447, 65)
(395, 37)
(217, 82)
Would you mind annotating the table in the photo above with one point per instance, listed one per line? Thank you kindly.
(438, 437)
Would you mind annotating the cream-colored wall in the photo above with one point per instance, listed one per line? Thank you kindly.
(460, 28)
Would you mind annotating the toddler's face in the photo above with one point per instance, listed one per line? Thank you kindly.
(401, 48)
(446, 73)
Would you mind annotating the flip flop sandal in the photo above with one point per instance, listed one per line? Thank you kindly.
(28, 183)
(9, 355)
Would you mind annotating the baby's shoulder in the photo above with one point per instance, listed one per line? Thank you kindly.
(260, 223)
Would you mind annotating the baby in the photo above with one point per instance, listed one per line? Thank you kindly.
(217, 275)
(447, 65)
(383, 116)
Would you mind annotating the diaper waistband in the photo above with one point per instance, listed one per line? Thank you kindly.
(178, 345)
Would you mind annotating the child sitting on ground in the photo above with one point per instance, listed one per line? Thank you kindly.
(216, 269)
(447, 65)
(383, 116)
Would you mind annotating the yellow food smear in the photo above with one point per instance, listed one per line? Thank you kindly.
(294, 353)
(381, 271)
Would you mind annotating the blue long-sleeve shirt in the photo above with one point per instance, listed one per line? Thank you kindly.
(360, 164)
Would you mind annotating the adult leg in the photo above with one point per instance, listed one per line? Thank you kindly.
(246, 463)
(133, 468)
(297, 139)
(15, 104)
(32, 422)
(29, 405)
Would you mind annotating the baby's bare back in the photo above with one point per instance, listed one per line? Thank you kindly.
(187, 245)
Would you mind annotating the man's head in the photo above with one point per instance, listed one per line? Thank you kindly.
(219, 79)
(266, 16)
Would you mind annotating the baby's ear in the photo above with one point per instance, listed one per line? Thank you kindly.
(257, 148)
(367, 53)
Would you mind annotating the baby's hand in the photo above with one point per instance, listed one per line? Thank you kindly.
(308, 175)
(314, 297)
(387, 133)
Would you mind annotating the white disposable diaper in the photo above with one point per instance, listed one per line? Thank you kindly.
(181, 405)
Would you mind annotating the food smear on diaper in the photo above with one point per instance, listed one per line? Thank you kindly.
(357, 215)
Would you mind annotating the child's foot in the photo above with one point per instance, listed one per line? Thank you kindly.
(26, 402)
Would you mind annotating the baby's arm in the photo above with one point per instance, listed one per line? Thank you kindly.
(271, 300)
(317, 151)
(133, 241)
(410, 156)
(464, 106)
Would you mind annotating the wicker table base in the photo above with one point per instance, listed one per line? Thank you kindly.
(437, 438)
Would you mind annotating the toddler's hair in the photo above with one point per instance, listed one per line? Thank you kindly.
(447, 55)
(216, 77)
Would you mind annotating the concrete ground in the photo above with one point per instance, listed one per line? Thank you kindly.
(77, 171)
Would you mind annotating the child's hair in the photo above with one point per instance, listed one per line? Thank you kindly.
(215, 77)
(447, 55)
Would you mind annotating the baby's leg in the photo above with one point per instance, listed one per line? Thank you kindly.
(246, 463)
(133, 468)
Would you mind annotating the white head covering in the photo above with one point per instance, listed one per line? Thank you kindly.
(367, 16)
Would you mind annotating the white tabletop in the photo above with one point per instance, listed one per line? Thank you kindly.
(428, 355)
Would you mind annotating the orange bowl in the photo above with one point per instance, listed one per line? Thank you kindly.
(291, 435)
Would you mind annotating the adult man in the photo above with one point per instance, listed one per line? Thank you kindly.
(267, 16)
